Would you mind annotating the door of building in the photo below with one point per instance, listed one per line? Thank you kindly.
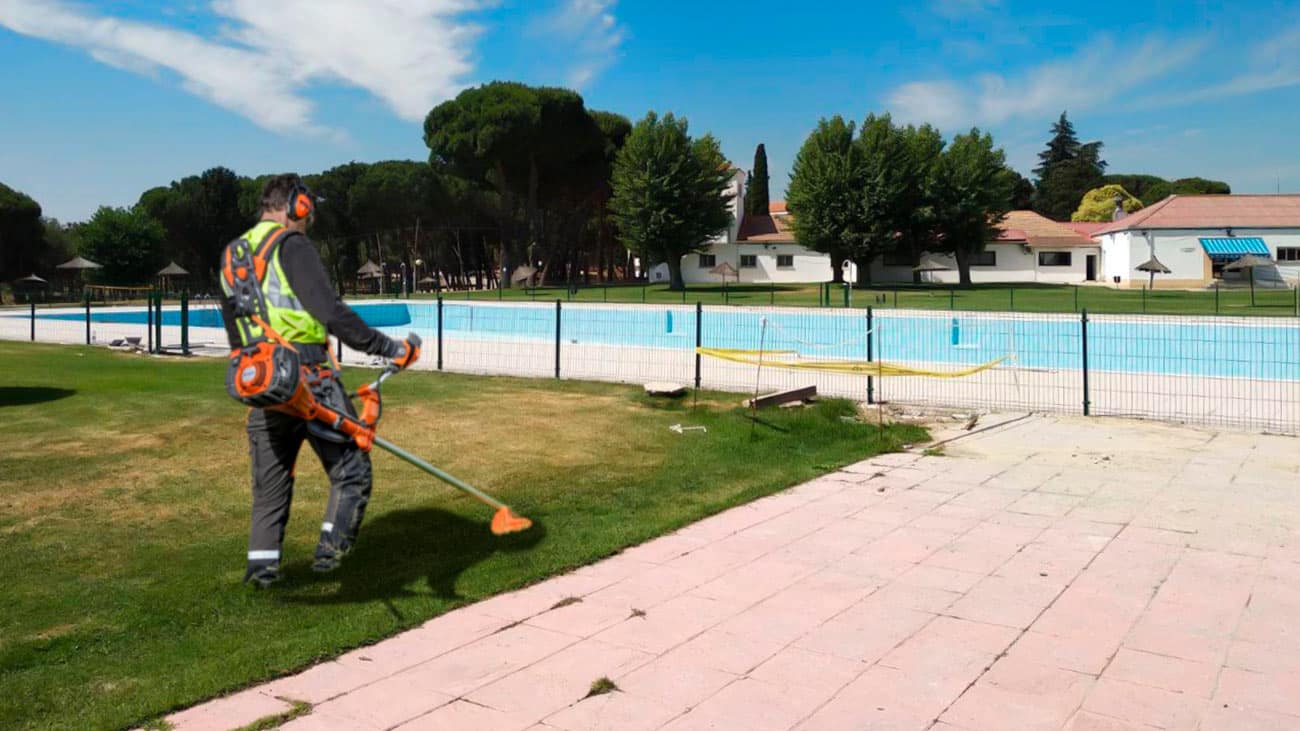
(1092, 267)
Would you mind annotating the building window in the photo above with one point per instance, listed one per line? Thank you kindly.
(898, 259)
(984, 259)
(784, 261)
(1288, 253)
(748, 261)
(1054, 259)
(708, 260)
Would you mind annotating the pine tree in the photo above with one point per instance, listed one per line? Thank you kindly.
(1063, 147)
(757, 196)
(1067, 170)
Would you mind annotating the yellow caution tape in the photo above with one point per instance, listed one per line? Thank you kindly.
(871, 368)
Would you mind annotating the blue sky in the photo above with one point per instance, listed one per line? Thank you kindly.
(100, 101)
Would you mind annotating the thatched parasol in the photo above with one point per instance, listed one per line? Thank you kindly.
(1249, 262)
(32, 279)
(370, 270)
(79, 263)
(523, 274)
(1153, 267)
(724, 269)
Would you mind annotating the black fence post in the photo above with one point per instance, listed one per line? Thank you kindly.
(1216, 299)
(896, 298)
(148, 321)
(157, 323)
(1012, 291)
(771, 297)
(439, 332)
(1076, 298)
(1144, 299)
(31, 299)
(1087, 402)
(86, 297)
(952, 298)
(185, 322)
(643, 294)
(557, 338)
(871, 384)
(848, 295)
(699, 339)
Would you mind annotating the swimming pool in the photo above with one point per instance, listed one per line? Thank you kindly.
(1226, 347)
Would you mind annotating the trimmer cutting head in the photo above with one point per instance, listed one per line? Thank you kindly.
(504, 522)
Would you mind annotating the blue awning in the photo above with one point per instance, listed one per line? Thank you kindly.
(1234, 248)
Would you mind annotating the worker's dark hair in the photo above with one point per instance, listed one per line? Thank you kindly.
(276, 192)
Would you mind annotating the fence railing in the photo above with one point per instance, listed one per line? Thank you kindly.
(1223, 371)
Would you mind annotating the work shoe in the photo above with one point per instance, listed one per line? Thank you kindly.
(326, 564)
(264, 577)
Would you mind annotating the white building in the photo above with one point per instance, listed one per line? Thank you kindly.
(1031, 248)
(1195, 236)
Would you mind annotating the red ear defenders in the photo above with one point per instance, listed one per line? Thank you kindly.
(301, 203)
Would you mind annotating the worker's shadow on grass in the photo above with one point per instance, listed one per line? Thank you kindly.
(398, 549)
(26, 395)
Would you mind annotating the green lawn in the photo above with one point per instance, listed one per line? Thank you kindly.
(990, 297)
(124, 508)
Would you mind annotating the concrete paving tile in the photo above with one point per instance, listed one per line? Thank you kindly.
(559, 680)
(622, 711)
(665, 549)
(749, 703)
(934, 577)
(651, 588)
(319, 683)
(1010, 602)
(1050, 504)
(519, 605)
(795, 666)
(676, 680)
(1167, 673)
(1177, 631)
(1036, 696)
(232, 711)
(433, 638)
(1089, 721)
(888, 697)
(1262, 657)
(488, 659)
(718, 649)
(865, 632)
(1144, 704)
(910, 544)
(1259, 691)
(465, 716)
(754, 581)
(386, 703)
(668, 624)
(1082, 654)
(1233, 718)
(581, 619)
(920, 598)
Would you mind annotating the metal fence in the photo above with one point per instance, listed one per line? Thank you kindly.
(1221, 371)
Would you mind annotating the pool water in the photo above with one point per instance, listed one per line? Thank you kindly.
(1129, 344)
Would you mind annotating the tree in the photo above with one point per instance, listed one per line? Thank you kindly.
(126, 241)
(1151, 189)
(22, 237)
(1098, 204)
(972, 196)
(200, 214)
(916, 208)
(757, 198)
(888, 189)
(1022, 192)
(826, 192)
(1066, 170)
(525, 142)
(669, 192)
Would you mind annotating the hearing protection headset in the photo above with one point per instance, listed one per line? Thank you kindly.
(301, 203)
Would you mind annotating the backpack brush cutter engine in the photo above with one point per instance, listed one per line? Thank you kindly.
(303, 404)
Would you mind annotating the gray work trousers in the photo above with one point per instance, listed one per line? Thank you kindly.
(274, 440)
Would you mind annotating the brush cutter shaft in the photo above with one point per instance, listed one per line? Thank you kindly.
(450, 480)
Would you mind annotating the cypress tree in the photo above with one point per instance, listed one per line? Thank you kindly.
(757, 197)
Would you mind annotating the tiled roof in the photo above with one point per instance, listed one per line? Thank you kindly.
(766, 229)
(1087, 228)
(1039, 231)
(1214, 212)
(776, 207)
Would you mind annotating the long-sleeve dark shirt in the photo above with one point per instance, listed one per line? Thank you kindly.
(311, 285)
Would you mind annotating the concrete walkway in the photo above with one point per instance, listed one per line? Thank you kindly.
(1051, 573)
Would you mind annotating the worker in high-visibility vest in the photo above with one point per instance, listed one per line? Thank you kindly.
(300, 307)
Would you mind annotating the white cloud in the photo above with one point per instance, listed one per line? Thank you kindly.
(409, 54)
(1085, 81)
(1273, 64)
(591, 32)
